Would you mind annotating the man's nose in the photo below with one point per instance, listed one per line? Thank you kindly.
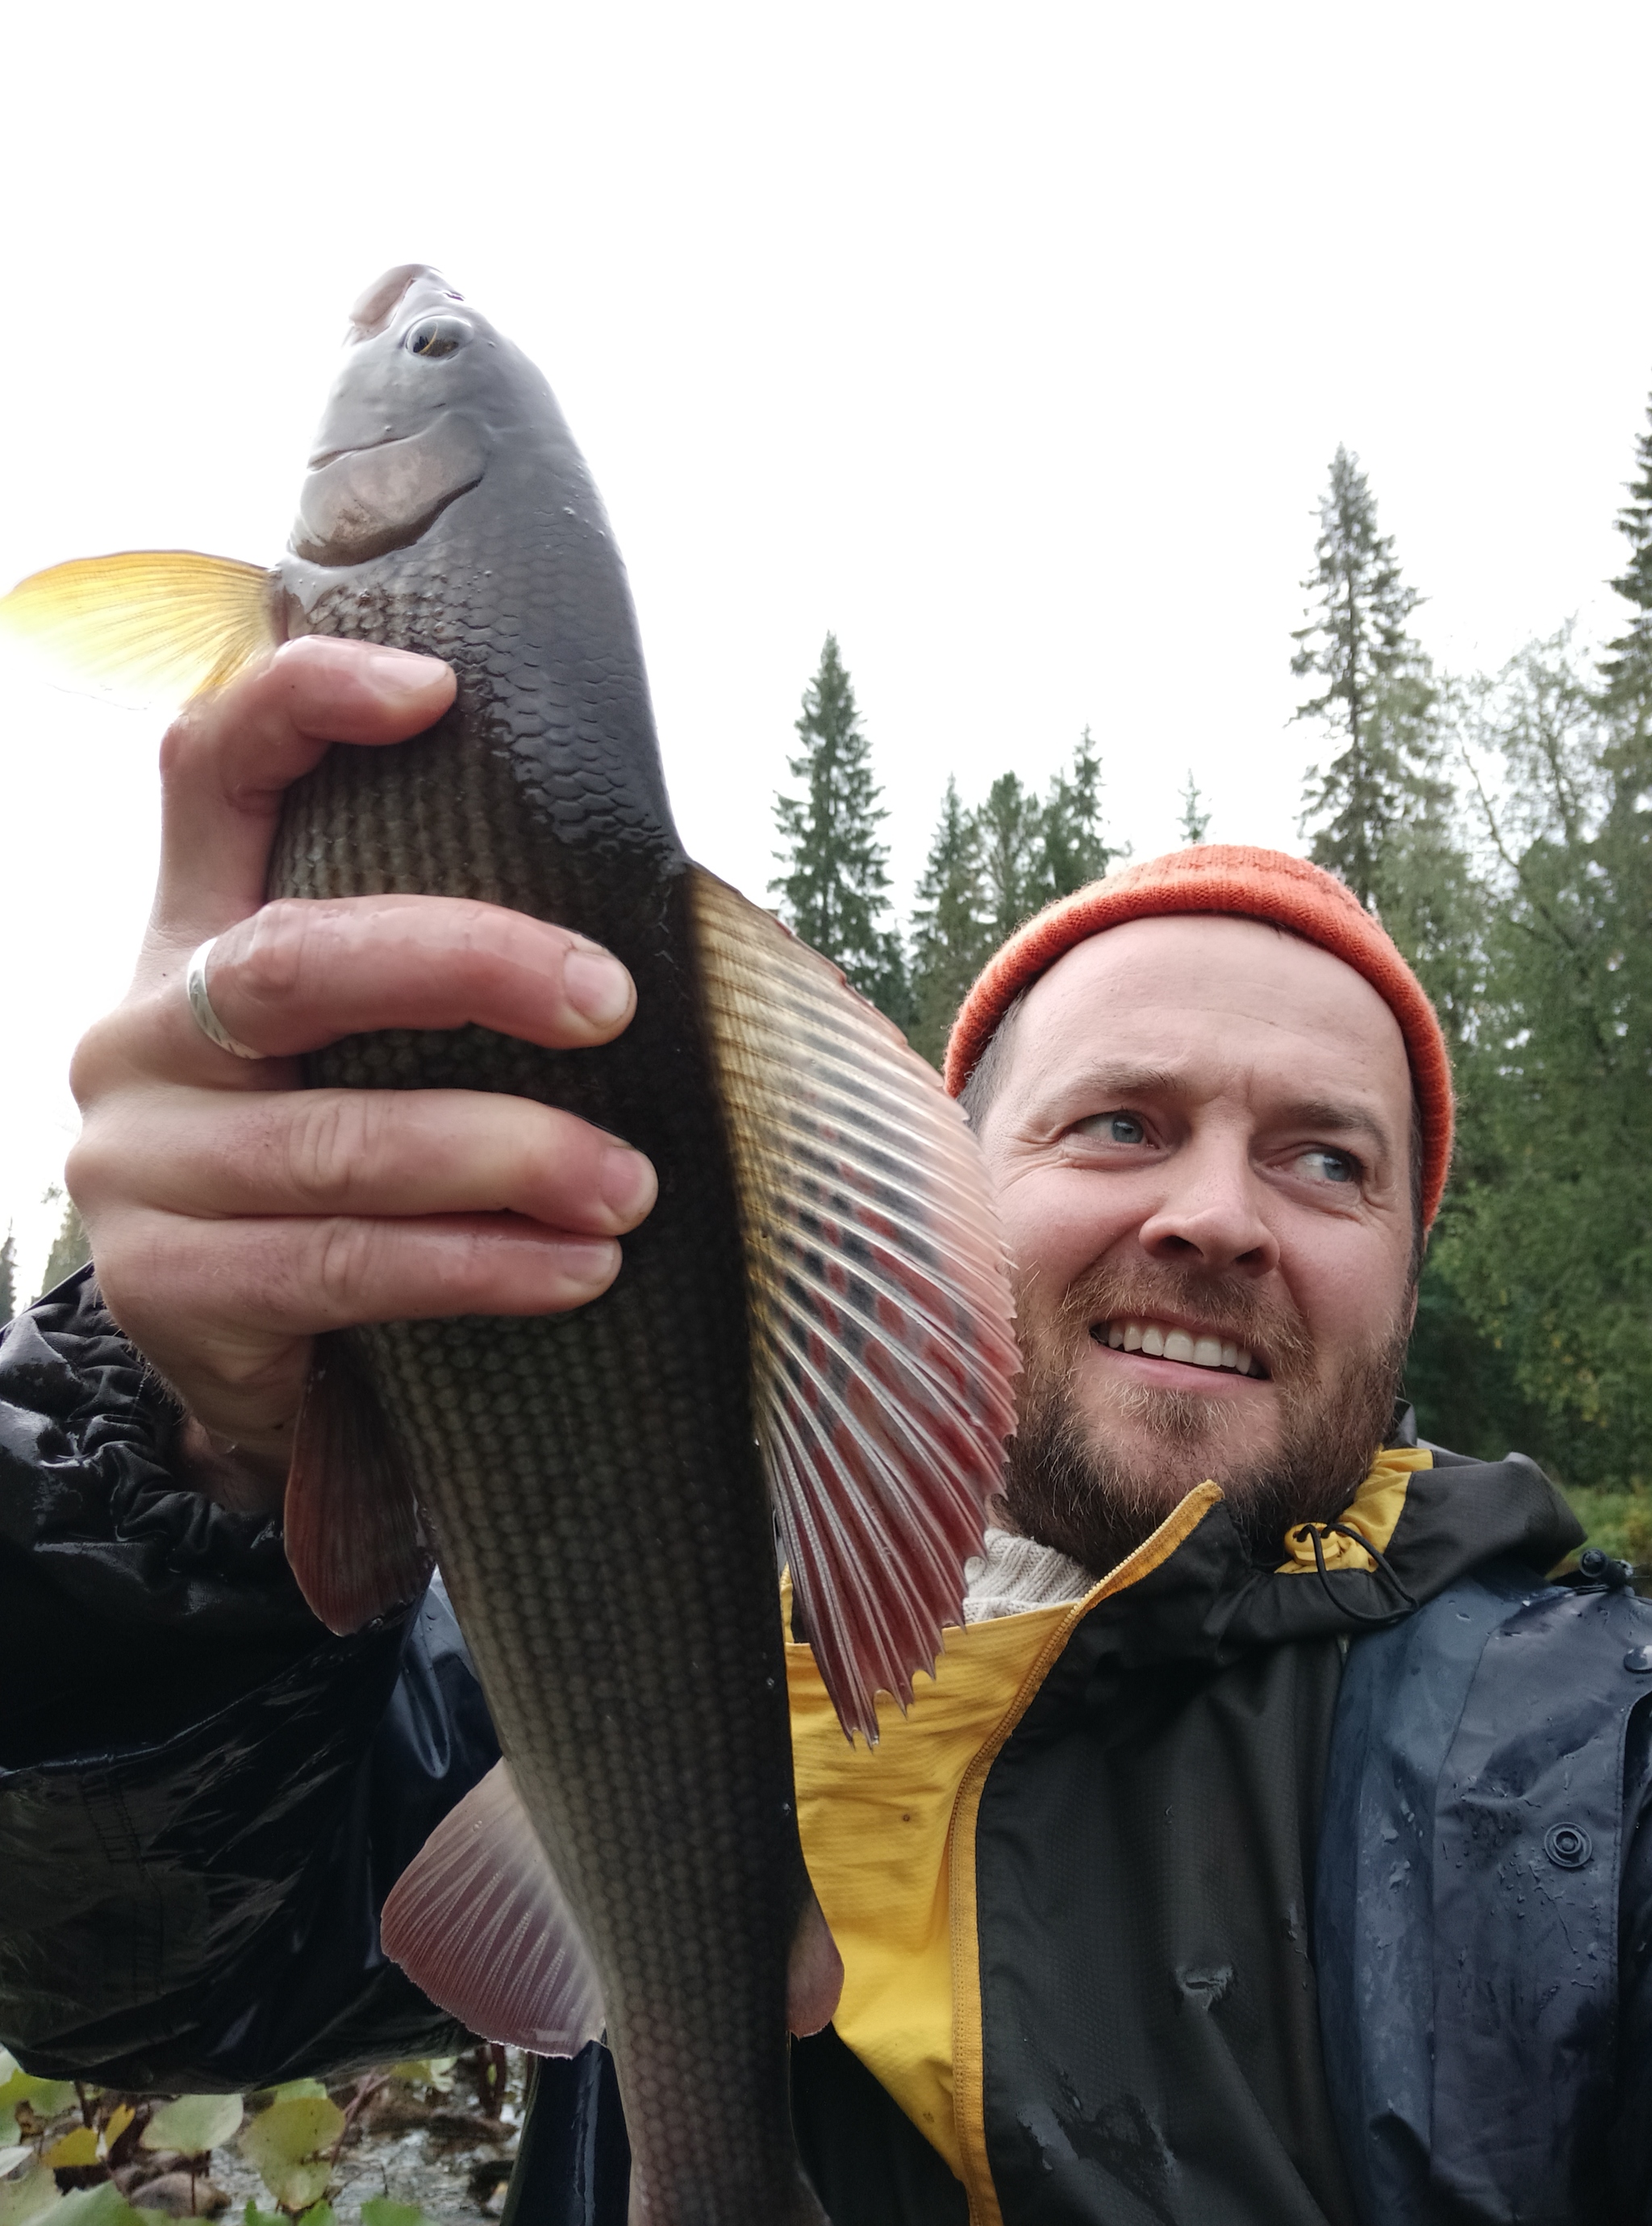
(1212, 1211)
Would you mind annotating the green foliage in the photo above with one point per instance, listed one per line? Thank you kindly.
(27, 2187)
(1377, 699)
(1626, 671)
(70, 1248)
(1545, 1246)
(1011, 827)
(291, 2147)
(834, 889)
(193, 2124)
(43, 2098)
(1195, 817)
(990, 869)
(951, 935)
(380, 2210)
(1071, 847)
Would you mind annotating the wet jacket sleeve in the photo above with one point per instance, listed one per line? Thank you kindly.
(204, 1797)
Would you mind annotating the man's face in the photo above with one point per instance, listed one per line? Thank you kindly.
(1200, 1142)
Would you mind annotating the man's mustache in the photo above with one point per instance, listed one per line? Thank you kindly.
(1114, 1291)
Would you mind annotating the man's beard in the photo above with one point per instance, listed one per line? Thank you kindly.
(1069, 1488)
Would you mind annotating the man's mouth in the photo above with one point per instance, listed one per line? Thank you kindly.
(1194, 1348)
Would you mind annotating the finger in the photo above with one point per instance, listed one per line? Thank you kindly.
(361, 1152)
(303, 972)
(227, 761)
(233, 1289)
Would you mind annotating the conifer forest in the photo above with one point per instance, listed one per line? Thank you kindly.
(1499, 825)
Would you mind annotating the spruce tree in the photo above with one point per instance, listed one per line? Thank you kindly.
(9, 1275)
(1012, 826)
(1196, 818)
(1626, 671)
(70, 1247)
(1073, 849)
(1378, 697)
(951, 932)
(835, 888)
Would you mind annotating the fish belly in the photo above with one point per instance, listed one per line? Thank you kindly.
(592, 1479)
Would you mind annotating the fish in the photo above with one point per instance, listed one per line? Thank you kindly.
(807, 1355)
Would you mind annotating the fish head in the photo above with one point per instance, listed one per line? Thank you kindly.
(429, 391)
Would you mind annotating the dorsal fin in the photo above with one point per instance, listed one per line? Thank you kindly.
(883, 1353)
(152, 625)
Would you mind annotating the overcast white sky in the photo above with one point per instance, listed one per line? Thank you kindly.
(1011, 343)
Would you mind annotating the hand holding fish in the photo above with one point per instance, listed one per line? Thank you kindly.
(235, 1214)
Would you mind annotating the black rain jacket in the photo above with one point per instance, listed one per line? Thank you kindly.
(204, 1799)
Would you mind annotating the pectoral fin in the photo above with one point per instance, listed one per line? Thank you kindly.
(152, 625)
(883, 1353)
(351, 1517)
(480, 1921)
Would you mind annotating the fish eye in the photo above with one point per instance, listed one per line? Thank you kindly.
(433, 336)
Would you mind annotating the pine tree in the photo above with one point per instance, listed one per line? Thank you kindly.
(1379, 696)
(1626, 671)
(1073, 849)
(951, 933)
(8, 1275)
(1196, 819)
(1011, 824)
(70, 1247)
(835, 888)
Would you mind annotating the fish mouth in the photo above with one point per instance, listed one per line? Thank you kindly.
(323, 457)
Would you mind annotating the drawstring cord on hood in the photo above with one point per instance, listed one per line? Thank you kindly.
(1318, 1532)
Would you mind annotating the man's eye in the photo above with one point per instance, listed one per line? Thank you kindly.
(1323, 1165)
(1113, 1128)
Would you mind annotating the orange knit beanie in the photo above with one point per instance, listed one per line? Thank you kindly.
(1227, 877)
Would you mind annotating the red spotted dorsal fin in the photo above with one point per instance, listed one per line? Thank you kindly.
(478, 1920)
(351, 1519)
(883, 1352)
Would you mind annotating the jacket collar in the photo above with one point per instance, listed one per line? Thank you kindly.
(1421, 1518)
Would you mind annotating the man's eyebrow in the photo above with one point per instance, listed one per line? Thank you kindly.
(1324, 1113)
(1121, 1084)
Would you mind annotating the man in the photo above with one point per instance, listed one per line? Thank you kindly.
(1271, 1843)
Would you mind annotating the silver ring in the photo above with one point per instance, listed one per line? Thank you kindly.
(200, 1005)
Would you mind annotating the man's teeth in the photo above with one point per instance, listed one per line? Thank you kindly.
(1160, 1344)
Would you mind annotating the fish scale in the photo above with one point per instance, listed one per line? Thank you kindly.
(591, 1479)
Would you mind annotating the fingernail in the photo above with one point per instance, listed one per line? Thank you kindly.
(593, 1260)
(597, 986)
(626, 1182)
(404, 672)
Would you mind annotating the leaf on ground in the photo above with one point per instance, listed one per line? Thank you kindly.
(104, 2206)
(45, 2097)
(427, 2071)
(292, 2088)
(116, 2124)
(319, 2214)
(253, 2216)
(192, 2124)
(27, 2190)
(381, 2210)
(75, 2148)
(280, 2144)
